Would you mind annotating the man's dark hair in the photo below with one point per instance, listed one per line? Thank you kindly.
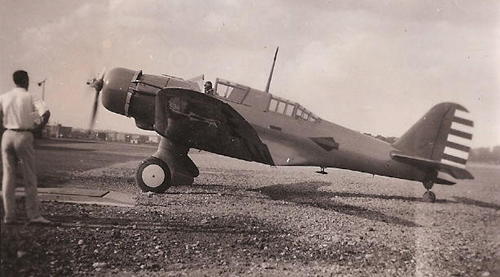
(20, 78)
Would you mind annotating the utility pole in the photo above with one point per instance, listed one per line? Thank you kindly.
(42, 84)
(39, 132)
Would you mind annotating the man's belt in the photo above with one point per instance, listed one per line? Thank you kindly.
(21, 130)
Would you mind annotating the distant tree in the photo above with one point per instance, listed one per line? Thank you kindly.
(390, 140)
(485, 155)
(496, 152)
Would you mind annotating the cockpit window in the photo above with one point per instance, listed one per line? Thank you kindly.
(233, 92)
(291, 109)
(273, 105)
(223, 90)
(281, 107)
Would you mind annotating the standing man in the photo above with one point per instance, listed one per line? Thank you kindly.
(21, 115)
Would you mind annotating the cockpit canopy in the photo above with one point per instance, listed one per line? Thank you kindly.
(289, 108)
(231, 91)
(245, 95)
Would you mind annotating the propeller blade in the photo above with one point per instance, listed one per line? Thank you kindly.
(103, 71)
(94, 111)
(97, 84)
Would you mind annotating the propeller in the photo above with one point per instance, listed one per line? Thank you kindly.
(96, 84)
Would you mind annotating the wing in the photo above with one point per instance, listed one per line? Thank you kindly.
(206, 123)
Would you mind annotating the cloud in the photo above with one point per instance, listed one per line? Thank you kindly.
(355, 63)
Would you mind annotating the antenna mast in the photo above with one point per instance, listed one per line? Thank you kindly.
(272, 69)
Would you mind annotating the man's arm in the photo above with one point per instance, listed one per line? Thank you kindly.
(42, 111)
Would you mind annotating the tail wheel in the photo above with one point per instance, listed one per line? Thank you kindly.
(429, 196)
(153, 175)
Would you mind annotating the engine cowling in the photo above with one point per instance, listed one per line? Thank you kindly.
(115, 89)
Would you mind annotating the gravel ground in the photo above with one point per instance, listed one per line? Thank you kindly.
(241, 218)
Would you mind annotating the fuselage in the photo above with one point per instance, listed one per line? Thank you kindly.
(293, 135)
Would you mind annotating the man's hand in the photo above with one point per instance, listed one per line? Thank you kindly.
(45, 119)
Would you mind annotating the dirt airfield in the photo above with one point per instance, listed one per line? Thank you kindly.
(248, 219)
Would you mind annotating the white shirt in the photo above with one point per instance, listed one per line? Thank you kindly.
(20, 109)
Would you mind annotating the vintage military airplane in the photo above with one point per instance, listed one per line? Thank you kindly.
(253, 125)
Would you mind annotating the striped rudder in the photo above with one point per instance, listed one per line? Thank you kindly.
(458, 141)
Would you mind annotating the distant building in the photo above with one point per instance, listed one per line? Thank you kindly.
(80, 134)
(120, 137)
(58, 131)
(134, 139)
(143, 139)
(138, 139)
(153, 139)
(111, 136)
(101, 135)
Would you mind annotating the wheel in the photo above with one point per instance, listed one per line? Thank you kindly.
(153, 175)
(429, 196)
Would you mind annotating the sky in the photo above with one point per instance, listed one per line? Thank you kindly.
(371, 66)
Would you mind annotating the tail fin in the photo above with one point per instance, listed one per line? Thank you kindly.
(442, 135)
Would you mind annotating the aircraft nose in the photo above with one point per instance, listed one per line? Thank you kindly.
(114, 91)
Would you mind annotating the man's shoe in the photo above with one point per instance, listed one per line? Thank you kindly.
(40, 220)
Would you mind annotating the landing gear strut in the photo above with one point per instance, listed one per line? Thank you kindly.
(429, 196)
(169, 166)
(322, 171)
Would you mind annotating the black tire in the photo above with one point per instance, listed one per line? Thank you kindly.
(429, 196)
(153, 175)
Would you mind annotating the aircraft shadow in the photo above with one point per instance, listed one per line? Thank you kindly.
(386, 197)
(308, 194)
(472, 202)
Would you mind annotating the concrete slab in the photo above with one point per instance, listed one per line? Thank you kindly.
(120, 197)
(73, 191)
(83, 196)
(82, 199)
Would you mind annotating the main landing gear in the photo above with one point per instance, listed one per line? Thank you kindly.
(429, 196)
(169, 166)
(153, 175)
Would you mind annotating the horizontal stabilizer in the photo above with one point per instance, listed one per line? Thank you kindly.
(455, 172)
